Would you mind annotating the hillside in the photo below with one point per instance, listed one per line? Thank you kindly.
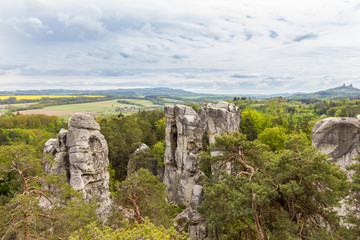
(333, 93)
(125, 92)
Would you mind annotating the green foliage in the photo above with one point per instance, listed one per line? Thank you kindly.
(354, 198)
(147, 230)
(253, 123)
(158, 152)
(272, 194)
(124, 135)
(34, 210)
(143, 192)
(142, 159)
(36, 121)
(274, 137)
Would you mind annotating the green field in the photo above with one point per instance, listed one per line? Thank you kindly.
(145, 103)
(111, 107)
(103, 107)
(169, 101)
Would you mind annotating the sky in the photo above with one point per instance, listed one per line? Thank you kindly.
(205, 46)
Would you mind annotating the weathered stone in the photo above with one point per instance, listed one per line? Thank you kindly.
(183, 145)
(135, 163)
(81, 152)
(339, 138)
(183, 136)
(219, 119)
(50, 146)
(181, 221)
(83, 121)
(197, 226)
(142, 148)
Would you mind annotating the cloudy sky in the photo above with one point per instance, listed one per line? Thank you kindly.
(210, 46)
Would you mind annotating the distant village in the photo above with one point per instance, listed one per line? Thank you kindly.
(136, 109)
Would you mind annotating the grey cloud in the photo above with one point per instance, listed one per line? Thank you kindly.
(281, 19)
(305, 37)
(248, 36)
(242, 76)
(273, 34)
(178, 57)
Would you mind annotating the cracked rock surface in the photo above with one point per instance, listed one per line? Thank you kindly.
(81, 152)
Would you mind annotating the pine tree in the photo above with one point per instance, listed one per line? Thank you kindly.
(287, 194)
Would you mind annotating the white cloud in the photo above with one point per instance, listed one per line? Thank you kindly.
(287, 45)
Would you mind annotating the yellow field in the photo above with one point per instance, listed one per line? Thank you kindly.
(33, 97)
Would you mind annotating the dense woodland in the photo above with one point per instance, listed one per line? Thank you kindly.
(283, 188)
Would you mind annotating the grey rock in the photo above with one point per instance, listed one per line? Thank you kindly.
(81, 152)
(142, 148)
(219, 119)
(83, 121)
(183, 135)
(339, 138)
(183, 145)
(50, 146)
(141, 159)
(197, 224)
(181, 221)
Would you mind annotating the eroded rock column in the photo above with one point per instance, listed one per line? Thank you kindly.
(81, 152)
(184, 133)
(183, 146)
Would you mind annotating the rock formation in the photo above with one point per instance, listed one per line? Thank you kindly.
(81, 153)
(134, 164)
(183, 137)
(218, 119)
(184, 133)
(142, 158)
(339, 138)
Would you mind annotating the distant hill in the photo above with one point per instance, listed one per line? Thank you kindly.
(125, 92)
(333, 93)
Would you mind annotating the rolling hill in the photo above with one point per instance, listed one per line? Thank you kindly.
(333, 93)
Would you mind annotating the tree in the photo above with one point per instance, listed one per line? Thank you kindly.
(354, 198)
(147, 230)
(273, 137)
(288, 194)
(36, 210)
(145, 194)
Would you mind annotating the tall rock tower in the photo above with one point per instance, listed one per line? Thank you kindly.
(81, 152)
(184, 133)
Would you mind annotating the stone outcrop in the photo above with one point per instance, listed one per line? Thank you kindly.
(81, 152)
(183, 137)
(184, 133)
(133, 164)
(339, 138)
(197, 224)
(218, 119)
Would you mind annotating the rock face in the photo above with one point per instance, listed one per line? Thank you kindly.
(184, 134)
(218, 119)
(81, 153)
(338, 137)
(183, 137)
